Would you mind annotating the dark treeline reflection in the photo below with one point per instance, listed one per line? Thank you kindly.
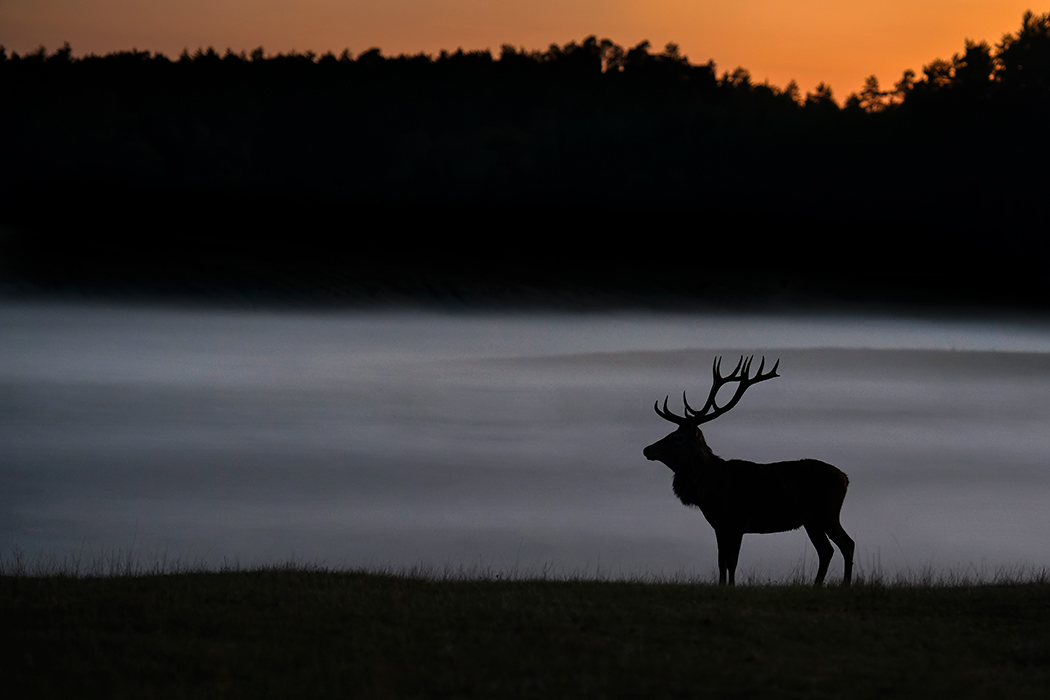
(589, 137)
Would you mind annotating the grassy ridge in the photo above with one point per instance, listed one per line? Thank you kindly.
(315, 633)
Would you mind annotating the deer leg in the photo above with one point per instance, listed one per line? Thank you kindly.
(846, 545)
(728, 554)
(824, 551)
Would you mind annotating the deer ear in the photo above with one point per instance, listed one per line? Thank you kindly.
(700, 437)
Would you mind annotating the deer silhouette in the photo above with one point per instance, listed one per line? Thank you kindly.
(737, 496)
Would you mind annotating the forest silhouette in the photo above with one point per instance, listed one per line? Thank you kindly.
(110, 159)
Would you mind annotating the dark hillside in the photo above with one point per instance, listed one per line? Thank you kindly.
(321, 634)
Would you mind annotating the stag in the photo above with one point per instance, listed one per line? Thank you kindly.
(737, 496)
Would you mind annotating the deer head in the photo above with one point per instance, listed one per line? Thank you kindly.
(686, 447)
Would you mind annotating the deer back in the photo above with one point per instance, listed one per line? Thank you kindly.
(757, 498)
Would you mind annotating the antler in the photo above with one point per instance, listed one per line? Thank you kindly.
(741, 373)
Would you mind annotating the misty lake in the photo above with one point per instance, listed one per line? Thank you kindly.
(506, 442)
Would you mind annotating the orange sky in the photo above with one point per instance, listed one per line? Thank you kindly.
(837, 41)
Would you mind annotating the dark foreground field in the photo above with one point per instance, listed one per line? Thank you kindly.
(294, 633)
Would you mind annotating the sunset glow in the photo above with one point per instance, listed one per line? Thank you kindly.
(835, 41)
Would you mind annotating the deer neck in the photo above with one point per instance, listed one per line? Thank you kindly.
(694, 485)
(704, 457)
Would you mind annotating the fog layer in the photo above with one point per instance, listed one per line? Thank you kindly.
(505, 441)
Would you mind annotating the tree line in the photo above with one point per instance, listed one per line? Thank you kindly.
(590, 134)
(1018, 65)
(1013, 73)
